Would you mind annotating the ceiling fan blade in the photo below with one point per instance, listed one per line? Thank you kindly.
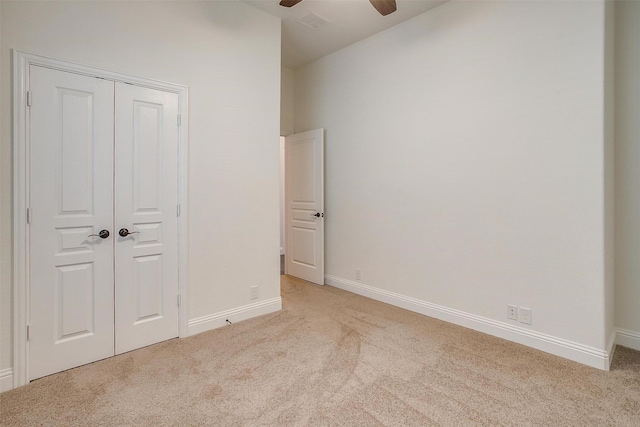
(385, 7)
(289, 3)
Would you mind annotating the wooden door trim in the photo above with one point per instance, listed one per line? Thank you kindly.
(21, 63)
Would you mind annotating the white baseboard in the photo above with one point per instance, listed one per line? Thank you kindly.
(6, 379)
(577, 352)
(627, 338)
(217, 320)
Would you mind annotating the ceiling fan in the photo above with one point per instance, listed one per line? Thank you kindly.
(384, 7)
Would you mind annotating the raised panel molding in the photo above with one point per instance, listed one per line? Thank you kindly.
(74, 293)
(148, 285)
(148, 144)
(150, 235)
(73, 240)
(577, 352)
(304, 246)
(306, 183)
(75, 141)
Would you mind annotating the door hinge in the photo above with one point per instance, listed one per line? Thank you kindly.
(179, 119)
(28, 215)
(28, 332)
(178, 210)
(178, 300)
(28, 98)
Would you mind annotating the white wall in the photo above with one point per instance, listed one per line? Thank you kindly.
(465, 167)
(609, 171)
(628, 172)
(228, 53)
(287, 102)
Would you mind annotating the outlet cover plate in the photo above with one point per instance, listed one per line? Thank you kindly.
(525, 315)
(512, 312)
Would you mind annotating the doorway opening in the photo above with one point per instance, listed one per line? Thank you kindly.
(282, 241)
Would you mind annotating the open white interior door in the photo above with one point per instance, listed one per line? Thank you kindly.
(304, 205)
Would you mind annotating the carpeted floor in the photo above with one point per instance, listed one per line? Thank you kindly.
(333, 358)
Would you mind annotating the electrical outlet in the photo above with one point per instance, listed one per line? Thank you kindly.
(254, 292)
(525, 315)
(358, 274)
(512, 312)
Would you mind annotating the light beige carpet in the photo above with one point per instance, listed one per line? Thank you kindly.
(333, 358)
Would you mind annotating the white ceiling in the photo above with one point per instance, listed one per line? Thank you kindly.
(350, 22)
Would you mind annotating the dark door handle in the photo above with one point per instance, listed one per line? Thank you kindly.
(103, 234)
(124, 232)
(318, 215)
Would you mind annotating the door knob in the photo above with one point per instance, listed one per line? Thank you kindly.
(103, 234)
(318, 215)
(124, 232)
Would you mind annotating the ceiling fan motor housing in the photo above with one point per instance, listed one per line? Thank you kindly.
(384, 7)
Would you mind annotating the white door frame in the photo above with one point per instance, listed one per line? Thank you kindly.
(21, 63)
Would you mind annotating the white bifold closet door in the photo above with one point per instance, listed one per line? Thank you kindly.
(103, 159)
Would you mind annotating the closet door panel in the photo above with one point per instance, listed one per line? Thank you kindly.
(71, 197)
(146, 203)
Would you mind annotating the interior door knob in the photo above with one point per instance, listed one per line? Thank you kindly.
(103, 234)
(124, 232)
